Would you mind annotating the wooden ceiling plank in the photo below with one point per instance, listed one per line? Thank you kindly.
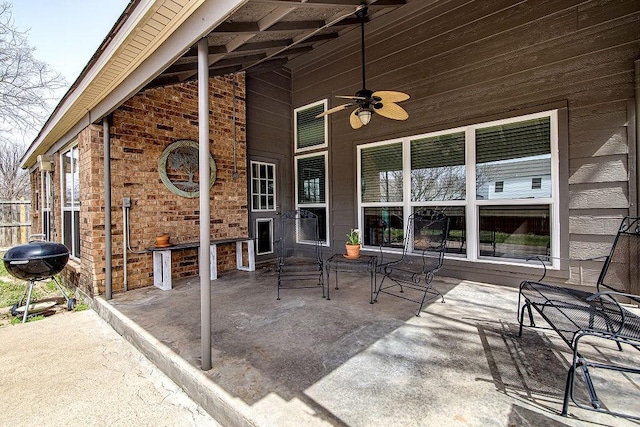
(296, 25)
(237, 27)
(311, 3)
(238, 41)
(274, 16)
(172, 6)
(318, 38)
(331, 3)
(212, 59)
(150, 30)
(213, 50)
(155, 24)
(264, 45)
(161, 18)
(137, 44)
(166, 13)
(293, 51)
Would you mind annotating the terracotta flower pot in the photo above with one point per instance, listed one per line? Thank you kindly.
(162, 240)
(353, 251)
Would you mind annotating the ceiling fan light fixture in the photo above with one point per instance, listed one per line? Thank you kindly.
(364, 114)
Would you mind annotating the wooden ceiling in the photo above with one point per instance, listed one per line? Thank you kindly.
(263, 35)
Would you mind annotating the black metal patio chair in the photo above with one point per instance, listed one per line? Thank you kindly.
(299, 252)
(423, 252)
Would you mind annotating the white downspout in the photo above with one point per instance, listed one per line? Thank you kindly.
(42, 199)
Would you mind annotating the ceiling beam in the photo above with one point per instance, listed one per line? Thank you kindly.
(267, 66)
(253, 27)
(183, 68)
(242, 60)
(332, 3)
(193, 52)
(270, 44)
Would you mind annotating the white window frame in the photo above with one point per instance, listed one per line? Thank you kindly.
(324, 205)
(45, 204)
(275, 202)
(536, 183)
(471, 203)
(75, 228)
(324, 145)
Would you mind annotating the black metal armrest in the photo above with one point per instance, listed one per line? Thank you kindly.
(624, 314)
(614, 293)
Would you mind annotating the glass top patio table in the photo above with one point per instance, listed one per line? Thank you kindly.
(339, 262)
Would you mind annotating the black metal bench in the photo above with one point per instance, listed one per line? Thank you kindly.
(578, 314)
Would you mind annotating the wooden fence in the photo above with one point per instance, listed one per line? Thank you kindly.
(15, 222)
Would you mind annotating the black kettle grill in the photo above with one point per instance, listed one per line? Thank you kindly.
(35, 261)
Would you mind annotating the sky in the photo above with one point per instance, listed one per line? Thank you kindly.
(66, 33)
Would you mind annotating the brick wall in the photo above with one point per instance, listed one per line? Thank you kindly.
(140, 130)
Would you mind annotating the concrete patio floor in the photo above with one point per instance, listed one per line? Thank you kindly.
(304, 360)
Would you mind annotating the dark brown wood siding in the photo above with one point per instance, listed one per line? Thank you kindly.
(464, 62)
(269, 128)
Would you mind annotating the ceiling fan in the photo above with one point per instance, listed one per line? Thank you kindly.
(383, 102)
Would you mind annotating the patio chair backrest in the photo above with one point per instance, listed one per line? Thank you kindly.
(425, 240)
(426, 232)
(299, 235)
(620, 270)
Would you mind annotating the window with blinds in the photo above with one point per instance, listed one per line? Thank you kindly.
(310, 132)
(311, 180)
(495, 181)
(311, 188)
(381, 173)
(509, 155)
(438, 168)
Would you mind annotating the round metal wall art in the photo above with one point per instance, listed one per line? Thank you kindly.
(178, 166)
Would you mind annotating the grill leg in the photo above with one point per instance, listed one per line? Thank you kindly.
(61, 290)
(26, 307)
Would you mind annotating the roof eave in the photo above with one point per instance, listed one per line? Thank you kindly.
(109, 79)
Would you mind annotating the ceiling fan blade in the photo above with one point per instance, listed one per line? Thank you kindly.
(334, 109)
(359, 98)
(392, 111)
(391, 96)
(354, 120)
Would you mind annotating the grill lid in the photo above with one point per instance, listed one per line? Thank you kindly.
(36, 260)
(34, 251)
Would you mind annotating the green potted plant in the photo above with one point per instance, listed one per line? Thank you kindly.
(353, 244)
